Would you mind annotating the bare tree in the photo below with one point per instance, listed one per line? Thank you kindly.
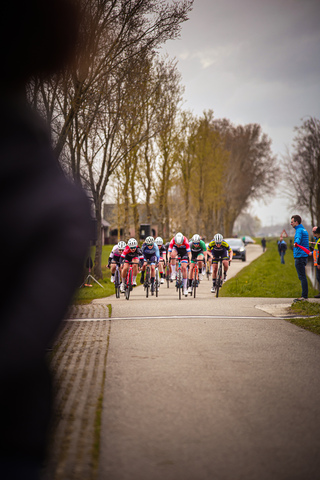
(168, 108)
(251, 172)
(302, 169)
(117, 35)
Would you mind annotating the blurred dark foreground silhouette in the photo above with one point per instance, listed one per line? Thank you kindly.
(45, 229)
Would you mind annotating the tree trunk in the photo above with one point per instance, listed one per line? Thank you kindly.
(98, 254)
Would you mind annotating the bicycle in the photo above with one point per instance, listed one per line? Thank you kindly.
(147, 280)
(179, 279)
(195, 280)
(208, 269)
(167, 270)
(219, 279)
(128, 284)
(117, 281)
(157, 281)
(168, 274)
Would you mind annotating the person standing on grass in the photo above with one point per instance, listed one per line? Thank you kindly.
(301, 238)
(282, 248)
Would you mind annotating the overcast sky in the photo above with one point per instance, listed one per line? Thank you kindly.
(253, 61)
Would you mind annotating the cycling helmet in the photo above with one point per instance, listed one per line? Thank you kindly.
(159, 241)
(149, 240)
(218, 238)
(196, 238)
(132, 243)
(122, 245)
(178, 239)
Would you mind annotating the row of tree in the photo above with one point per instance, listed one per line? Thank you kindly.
(116, 118)
(199, 174)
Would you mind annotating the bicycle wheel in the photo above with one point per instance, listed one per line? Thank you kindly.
(218, 280)
(195, 281)
(117, 282)
(168, 275)
(157, 282)
(179, 282)
(147, 281)
(129, 284)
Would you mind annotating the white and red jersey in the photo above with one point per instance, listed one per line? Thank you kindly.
(185, 245)
(128, 255)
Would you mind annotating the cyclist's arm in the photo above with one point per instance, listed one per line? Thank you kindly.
(157, 252)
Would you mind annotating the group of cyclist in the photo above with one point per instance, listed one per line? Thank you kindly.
(156, 253)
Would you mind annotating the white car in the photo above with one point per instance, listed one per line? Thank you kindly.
(248, 239)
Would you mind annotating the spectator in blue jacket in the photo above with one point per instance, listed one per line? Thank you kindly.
(301, 237)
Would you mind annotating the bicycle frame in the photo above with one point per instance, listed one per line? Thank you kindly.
(179, 281)
(128, 285)
(147, 280)
(157, 281)
(219, 277)
(117, 281)
(195, 279)
(168, 273)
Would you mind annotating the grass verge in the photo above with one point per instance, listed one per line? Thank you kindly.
(312, 310)
(267, 277)
(85, 294)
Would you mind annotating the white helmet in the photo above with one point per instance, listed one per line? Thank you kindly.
(178, 239)
(159, 241)
(132, 243)
(149, 240)
(196, 238)
(122, 245)
(218, 238)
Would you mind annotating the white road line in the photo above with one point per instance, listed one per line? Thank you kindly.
(177, 317)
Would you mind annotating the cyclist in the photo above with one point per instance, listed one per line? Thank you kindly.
(162, 261)
(131, 253)
(179, 245)
(219, 249)
(115, 258)
(198, 252)
(150, 251)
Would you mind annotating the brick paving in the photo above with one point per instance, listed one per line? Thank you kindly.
(78, 362)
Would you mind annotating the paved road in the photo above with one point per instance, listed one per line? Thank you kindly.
(209, 388)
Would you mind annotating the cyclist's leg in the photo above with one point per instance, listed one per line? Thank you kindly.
(135, 261)
(153, 273)
(190, 275)
(173, 263)
(124, 275)
(162, 269)
(214, 269)
(214, 273)
(200, 265)
(225, 268)
(143, 269)
(184, 265)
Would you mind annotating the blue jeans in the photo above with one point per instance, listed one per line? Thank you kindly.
(300, 264)
(282, 256)
(318, 275)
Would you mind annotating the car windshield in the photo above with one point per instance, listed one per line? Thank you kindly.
(234, 242)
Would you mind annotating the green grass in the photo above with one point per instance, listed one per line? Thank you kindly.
(267, 277)
(312, 324)
(86, 294)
